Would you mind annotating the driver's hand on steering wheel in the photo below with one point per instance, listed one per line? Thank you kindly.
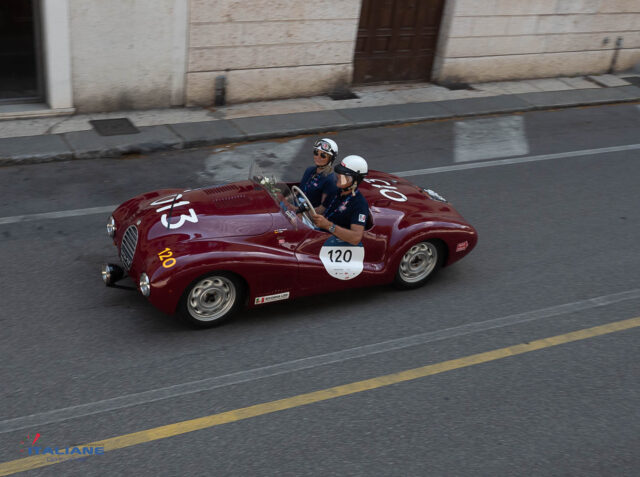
(320, 221)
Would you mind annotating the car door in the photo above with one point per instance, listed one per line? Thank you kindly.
(325, 263)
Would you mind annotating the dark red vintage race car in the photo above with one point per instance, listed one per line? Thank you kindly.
(206, 252)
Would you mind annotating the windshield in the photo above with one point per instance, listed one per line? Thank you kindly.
(279, 192)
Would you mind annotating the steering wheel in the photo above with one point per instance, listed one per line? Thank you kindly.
(298, 194)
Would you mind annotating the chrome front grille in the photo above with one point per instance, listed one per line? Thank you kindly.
(128, 246)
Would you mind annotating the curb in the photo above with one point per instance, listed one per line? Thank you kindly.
(90, 145)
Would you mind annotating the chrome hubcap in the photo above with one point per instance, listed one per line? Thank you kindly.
(211, 298)
(418, 262)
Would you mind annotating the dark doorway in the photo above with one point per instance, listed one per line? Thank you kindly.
(19, 51)
(396, 40)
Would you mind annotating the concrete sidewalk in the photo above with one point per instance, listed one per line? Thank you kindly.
(74, 137)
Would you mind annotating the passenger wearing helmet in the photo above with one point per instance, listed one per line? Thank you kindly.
(318, 182)
(345, 213)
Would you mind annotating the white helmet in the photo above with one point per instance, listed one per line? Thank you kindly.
(354, 166)
(327, 145)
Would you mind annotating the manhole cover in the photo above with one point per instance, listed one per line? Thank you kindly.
(457, 86)
(341, 95)
(113, 127)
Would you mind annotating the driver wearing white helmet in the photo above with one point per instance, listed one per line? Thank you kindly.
(345, 213)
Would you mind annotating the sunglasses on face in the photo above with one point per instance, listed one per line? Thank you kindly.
(323, 155)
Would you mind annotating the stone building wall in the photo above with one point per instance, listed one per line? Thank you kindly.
(269, 48)
(140, 54)
(127, 54)
(489, 40)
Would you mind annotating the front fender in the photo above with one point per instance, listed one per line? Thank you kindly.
(264, 270)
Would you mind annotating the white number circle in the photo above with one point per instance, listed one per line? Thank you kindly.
(341, 259)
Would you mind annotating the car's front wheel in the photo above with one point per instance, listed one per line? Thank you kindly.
(419, 263)
(212, 299)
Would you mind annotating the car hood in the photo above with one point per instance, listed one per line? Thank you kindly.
(238, 209)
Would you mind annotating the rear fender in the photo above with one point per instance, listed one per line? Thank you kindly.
(450, 239)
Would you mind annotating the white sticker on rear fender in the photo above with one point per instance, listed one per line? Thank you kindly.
(341, 259)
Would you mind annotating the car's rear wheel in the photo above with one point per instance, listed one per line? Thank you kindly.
(212, 299)
(419, 263)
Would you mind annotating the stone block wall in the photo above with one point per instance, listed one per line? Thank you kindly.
(269, 49)
(127, 54)
(490, 40)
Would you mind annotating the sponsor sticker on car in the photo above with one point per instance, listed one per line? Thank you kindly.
(269, 298)
(462, 246)
(291, 215)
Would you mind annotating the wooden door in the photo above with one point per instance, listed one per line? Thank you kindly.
(396, 40)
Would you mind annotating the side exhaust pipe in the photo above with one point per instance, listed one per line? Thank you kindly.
(111, 273)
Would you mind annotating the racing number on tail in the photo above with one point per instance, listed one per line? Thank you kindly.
(166, 258)
(387, 190)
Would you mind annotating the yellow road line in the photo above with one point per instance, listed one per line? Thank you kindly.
(162, 432)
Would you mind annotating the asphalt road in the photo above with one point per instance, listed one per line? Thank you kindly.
(554, 230)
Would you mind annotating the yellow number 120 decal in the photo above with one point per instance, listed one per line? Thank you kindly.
(166, 258)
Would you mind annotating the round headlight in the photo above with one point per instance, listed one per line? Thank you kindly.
(145, 285)
(111, 227)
